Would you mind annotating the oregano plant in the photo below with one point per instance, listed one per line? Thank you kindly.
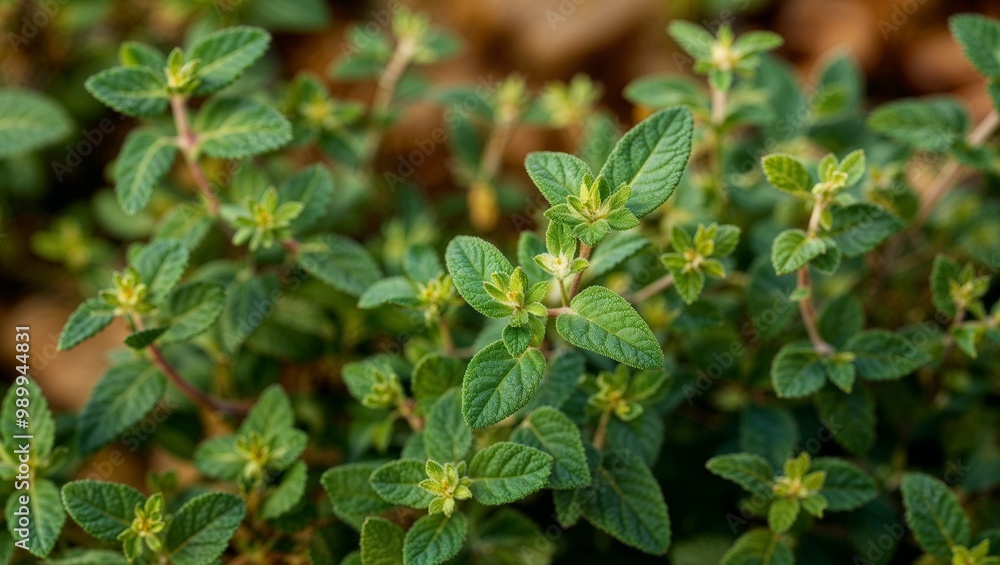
(741, 324)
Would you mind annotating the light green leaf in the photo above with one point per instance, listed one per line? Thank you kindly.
(313, 187)
(46, 511)
(931, 124)
(752, 472)
(552, 432)
(287, 494)
(625, 501)
(797, 371)
(753, 42)
(234, 128)
(434, 375)
(786, 173)
(381, 542)
(934, 514)
(447, 438)
(340, 262)
(881, 355)
(693, 38)
(782, 514)
(557, 175)
(29, 121)
(497, 385)
(651, 158)
(471, 261)
(136, 91)
(606, 323)
(350, 492)
(102, 509)
(792, 249)
(688, 284)
(397, 482)
(125, 394)
(846, 487)
(217, 457)
(393, 290)
(759, 547)
(160, 265)
(945, 271)
(192, 309)
(146, 156)
(432, 540)
(979, 37)
(858, 228)
(201, 529)
(226, 54)
(272, 413)
(849, 417)
(41, 425)
(92, 316)
(136, 54)
(505, 472)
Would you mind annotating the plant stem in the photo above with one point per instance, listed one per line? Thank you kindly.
(718, 156)
(602, 429)
(554, 312)
(406, 411)
(584, 254)
(446, 339)
(806, 306)
(187, 141)
(660, 284)
(718, 106)
(205, 400)
(951, 170)
(562, 293)
(384, 93)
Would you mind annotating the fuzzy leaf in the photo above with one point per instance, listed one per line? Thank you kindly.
(350, 492)
(613, 251)
(606, 323)
(434, 375)
(505, 472)
(797, 371)
(422, 264)
(786, 173)
(92, 316)
(849, 417)
(136, 91)
(393, 290)
(102, 509)
(397, 481)
(247, 303)
(980, 40)
(235, 128)
(29, 121)
(782, 514)
(557, 175)
(41, 424)
(840, 319)
(859, 228)
(931, 124)
(552, 432)
(759, 547)
(341, 263)
(226, 54)
(432, 540)
(881, 355)
(121, 398)
(145, 157)
(160, 265)
(934, 514)
(651, 158)
(563, 373)
(192, 309)
(313, 187)
(497, 385)
(471, 261)
(792, 249)
(201, 529)
(287, 494)
(381, 542)
(752, 472)
(447, 438)
(46, 511)
(846, 487)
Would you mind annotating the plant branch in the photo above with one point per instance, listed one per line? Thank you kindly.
(584, 254)
(446, 339)
(385, 91)
(554, 312)
(187, 141)
(602, 429)
(806, 306)
(951, 170)
(655, 287)
(406, 411)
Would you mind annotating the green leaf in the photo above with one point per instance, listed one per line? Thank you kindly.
(125, 394)
(606, 323)
(980, 40)
(934, 514)
(651, 158)
(471, 261)
(201, 529)
(160, 265)
(509, 536)
(782, 514)
(693, 38)
(313, 187)
(797, 371)
(143, 339)
(752, 472)
(235, 128)
(434, 539)
(41, 425)
(516, 339)
(688, 284)
(272, 413)
(393, 290)
(846, 487)
(349, 489)
(29, 121)
(381, 542)
(136, 54)
(397, 482)
(102, 509)
(557, 175)
(858, 228)
(434, 375)
(753, 42)
(136, 91)
(225, 55)
(841, 318)
(881, 355)
(340, 262)
(849, 417)
(759, 547)
(287, 494)
(613, 251)
(944, 272)
(625, 501)
(793, 249)
(497, 385)
(247, 303)
(786, 173)
(552, 432)
(146, 156)
(931, 124)
(422, 264)
(192, 309)
(768, 431)
(92, 316)
(505, 472)
(46, 511)
(217, 457)
(447, 438)
(563, 373)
